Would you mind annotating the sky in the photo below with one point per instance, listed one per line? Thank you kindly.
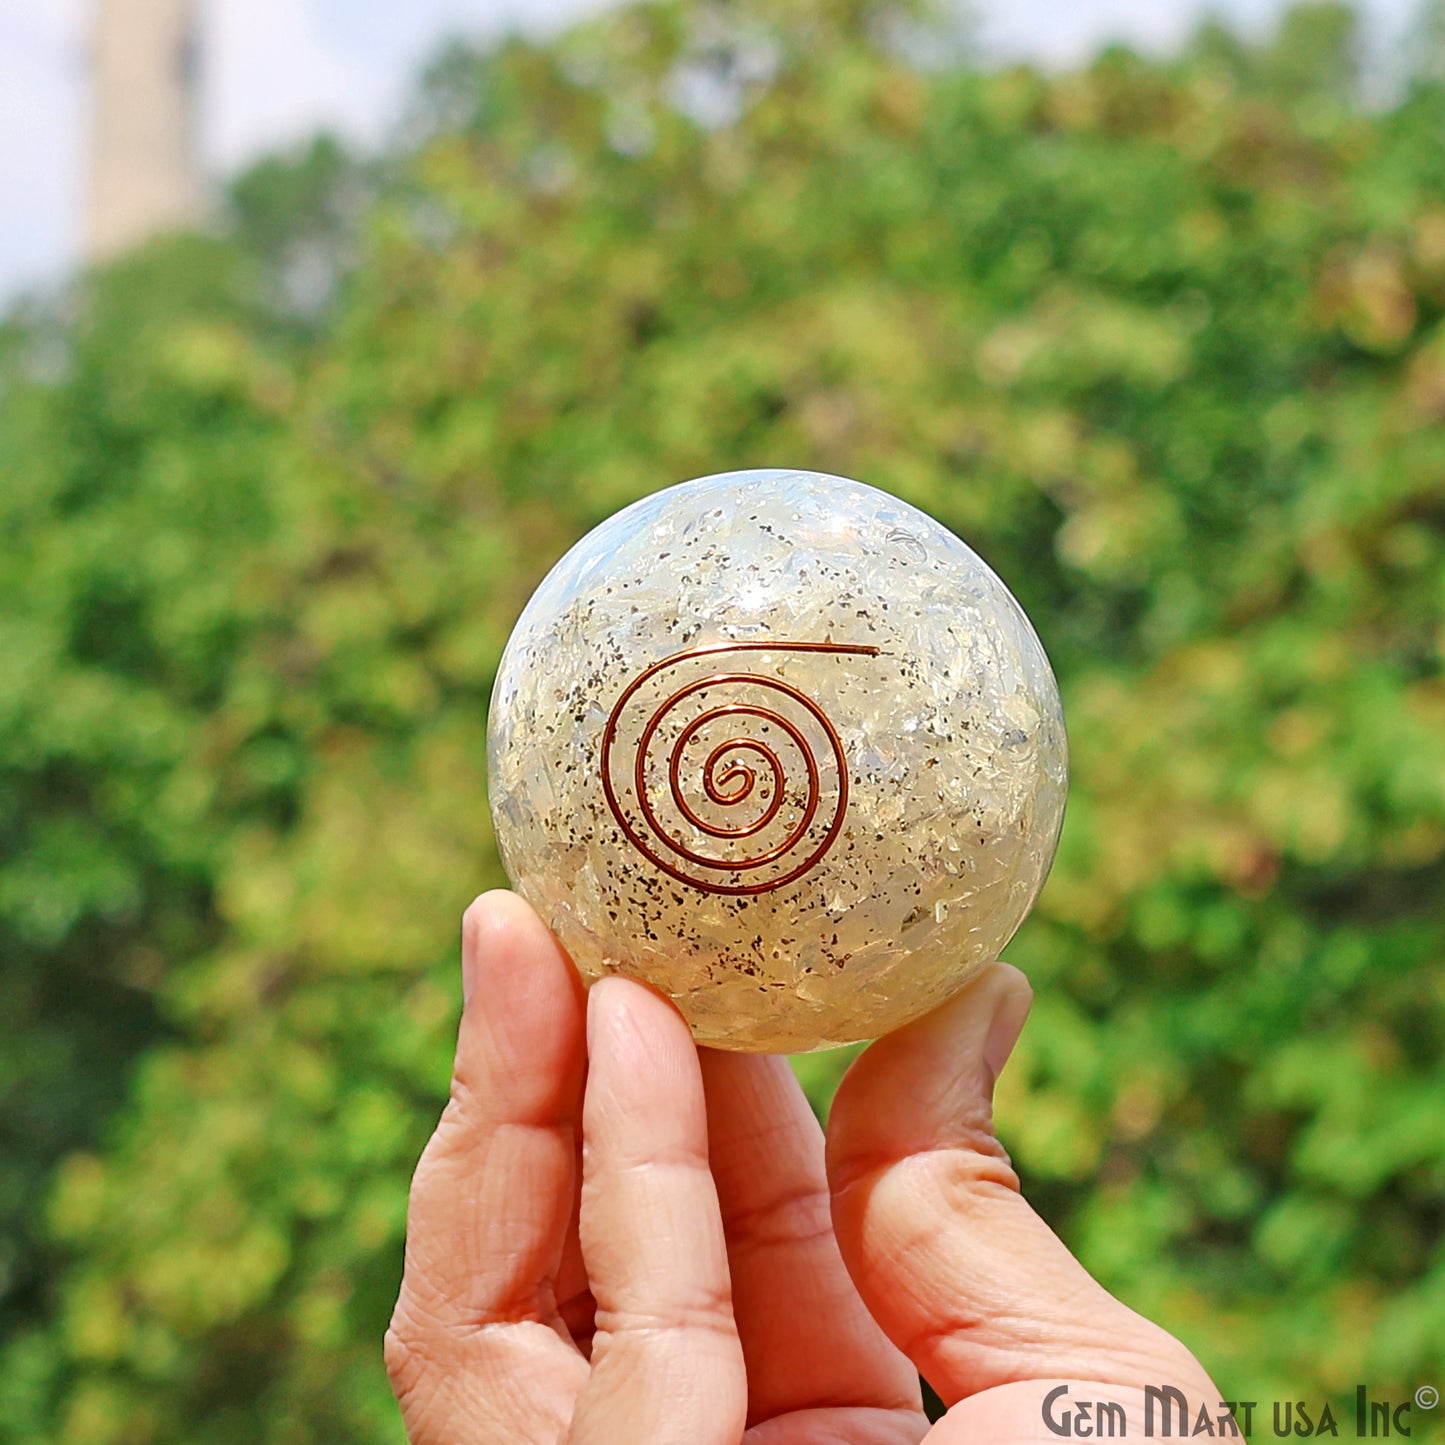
(277, 70)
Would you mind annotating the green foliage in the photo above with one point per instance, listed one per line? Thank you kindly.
(294, 218)
(1165, 342)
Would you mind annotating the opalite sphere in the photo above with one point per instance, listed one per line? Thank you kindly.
(783, 747)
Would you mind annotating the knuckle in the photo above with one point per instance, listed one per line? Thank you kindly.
(796, 1217)
(404, 1362)
(970, 1157)
(673, 1320)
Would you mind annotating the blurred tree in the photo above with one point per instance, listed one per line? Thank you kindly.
(297, 217)
(1166, 341)
(1316, 53)
(1314, 59)
(1426, 47)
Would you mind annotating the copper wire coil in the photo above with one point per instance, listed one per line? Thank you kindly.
(727, 781)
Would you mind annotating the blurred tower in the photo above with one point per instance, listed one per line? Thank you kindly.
(144, 175)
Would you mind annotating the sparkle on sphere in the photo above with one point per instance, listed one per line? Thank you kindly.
(783, 747)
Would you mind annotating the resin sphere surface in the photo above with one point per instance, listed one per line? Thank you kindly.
(783, 747)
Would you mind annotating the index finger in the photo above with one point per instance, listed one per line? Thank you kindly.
(493, 1192)
(476, 1334)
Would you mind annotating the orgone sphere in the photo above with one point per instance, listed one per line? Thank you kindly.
(783, 747)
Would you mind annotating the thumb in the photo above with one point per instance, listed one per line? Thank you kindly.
(953, 1263)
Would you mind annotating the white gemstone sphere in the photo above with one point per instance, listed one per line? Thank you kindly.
(783, 747)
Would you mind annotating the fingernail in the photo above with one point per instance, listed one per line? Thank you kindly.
(1009, 1015)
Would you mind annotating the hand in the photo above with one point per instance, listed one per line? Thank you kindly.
(694, 1289)
(665, 1303)
(953, 1263)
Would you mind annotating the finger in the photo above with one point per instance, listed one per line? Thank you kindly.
(492, 1195)
(666, 1363)
(847, 1426)
(807, 1338)
(1039, 1412)
(574, 1290)
(962, 1274)
(493, 1192)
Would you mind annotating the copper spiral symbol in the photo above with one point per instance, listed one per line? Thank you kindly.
(668, 828)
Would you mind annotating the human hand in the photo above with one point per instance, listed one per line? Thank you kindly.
(694, 1287)
(951, 1260)
(689, 1291)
